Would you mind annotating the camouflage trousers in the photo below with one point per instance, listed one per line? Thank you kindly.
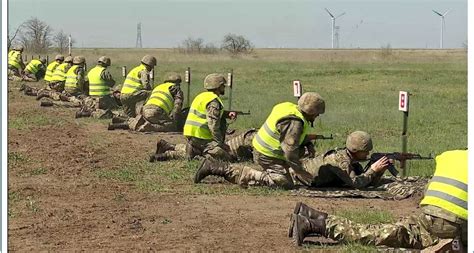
(276, 169)
(63, 99)
(56, 86)
(418, 231)
(130, 102)
(30, 77)
(104, 107)
(240, 149)
(14, 74)
(152, 119)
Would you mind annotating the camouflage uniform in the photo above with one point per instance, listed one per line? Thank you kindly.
(132, 103)
(240, 148)
(275, 172)
(102, 107)
(14, 73)
(72, 98)
(154, 119)
(338, 168)
(279, 170)
(216, 147)
(416, 232)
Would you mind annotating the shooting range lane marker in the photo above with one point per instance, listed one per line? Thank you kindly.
(187, 79)
(403, 106)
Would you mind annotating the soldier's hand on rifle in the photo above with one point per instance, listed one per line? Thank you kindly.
(232, 115)
(380, 165)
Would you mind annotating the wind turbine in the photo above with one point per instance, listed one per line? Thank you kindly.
(333, 24)
(442, 26)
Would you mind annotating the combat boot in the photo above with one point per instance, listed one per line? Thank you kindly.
(63, 97)
(42, 94)
(46, 103)
(119, 119)
(306, 211)
(29, 91)
(211, 167)
(83, 114)
(22, 86)
(113, 126)
(304, 226)
(158, 157)
(162, 146)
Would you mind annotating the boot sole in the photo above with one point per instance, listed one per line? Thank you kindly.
(295, 211)
(196, 176)
(297, 239)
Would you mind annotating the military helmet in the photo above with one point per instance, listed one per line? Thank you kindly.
(18, 48)
(172, 77)
(214, 81)
(105, 60)
(311, 103)
(59, 57)
(78, 59)
(359, 141)
(149, 60)
(68, 59)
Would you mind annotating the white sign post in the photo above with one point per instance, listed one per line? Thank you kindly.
(297, 89)
(403, 101)
(403, 106)
(230, 82)
(187, 79)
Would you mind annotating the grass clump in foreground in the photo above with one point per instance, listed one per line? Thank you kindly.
(366, 216)
(177, 177)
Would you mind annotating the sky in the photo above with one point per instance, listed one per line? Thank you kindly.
(266, 23)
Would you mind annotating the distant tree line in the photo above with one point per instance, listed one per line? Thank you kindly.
(38, 37)
(232, 43)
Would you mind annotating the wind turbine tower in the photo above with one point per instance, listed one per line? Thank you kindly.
(442, 26)
(333, 25)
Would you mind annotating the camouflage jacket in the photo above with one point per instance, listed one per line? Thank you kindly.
(338, 168)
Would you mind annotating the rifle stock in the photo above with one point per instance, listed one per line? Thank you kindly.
(319, 137)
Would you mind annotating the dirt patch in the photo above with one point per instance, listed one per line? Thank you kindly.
(57, 202)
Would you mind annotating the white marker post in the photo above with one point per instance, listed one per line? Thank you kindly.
(152, 78)
(187, 79)
(403, 106)
(230, 81)
(297, 89)
(69, 44)
(124, 71)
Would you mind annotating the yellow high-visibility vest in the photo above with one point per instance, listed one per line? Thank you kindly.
(133, 82)
(97, 86)
(448, 187)
(59, 74)
(196, 122)
(50, 70)
(71, 79)
(161, 97)
(14, 59)
(34, 66)
(267, 139)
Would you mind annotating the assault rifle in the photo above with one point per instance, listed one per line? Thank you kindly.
(402, 157)
(312, 137)
(241, 112)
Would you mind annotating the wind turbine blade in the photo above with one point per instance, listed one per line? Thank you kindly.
(438, 13)
(446, 12)
(330, 14)
(341, 14)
